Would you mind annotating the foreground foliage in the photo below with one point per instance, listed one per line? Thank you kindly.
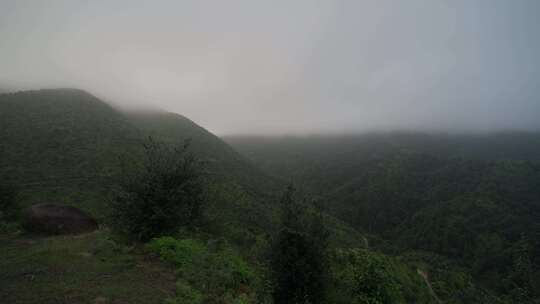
(211, 272)
(360, 276)
(9, 208)
(164, 193)
(299, 255)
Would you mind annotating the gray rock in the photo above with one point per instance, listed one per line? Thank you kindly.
(57, 219)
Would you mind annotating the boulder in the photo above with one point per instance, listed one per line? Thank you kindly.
(57, 219)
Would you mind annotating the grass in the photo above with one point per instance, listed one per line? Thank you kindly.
(88, 268)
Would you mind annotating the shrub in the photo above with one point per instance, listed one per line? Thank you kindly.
(362, 276)
(9, 209)
(219, 274)
(185, 294)
(9, 227)
(181, 253)
(159, 195)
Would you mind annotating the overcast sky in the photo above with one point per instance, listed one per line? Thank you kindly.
(288, 66)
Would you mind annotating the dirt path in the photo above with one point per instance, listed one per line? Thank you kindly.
(425, 277)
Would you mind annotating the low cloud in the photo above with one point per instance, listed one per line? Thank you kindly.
(288, 67)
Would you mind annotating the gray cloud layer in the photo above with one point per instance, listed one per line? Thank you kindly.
(288, 66)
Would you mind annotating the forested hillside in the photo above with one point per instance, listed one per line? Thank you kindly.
(408, 218)
(66, 146)
(62, 141)
(472, 200)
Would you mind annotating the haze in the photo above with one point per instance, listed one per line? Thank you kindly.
(281, 67)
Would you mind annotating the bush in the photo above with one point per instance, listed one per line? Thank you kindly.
(9, 208)
(185, 294)
(362, 276)
(181, 253)
(9, 227)
(159, 195)
(216, 272)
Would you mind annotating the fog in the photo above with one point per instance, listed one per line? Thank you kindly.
(279, 67)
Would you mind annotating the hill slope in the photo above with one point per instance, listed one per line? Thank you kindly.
(474, 200)
(59, 134)
(64, 145)
(222, 160)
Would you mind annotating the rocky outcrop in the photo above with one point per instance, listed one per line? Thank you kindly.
(57, 219)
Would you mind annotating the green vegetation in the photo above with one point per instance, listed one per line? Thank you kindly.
(8, 203)
(164, 194)
(471, 201)
(64, 145)
(399, 218)
(299, 255)
(363, 276)
(90, 268)
(9, 207)
(223, 163)
(211, 272)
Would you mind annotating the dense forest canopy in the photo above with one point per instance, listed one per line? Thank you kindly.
(473, 199)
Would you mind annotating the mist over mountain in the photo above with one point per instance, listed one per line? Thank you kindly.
(289, 68)
(50, 137)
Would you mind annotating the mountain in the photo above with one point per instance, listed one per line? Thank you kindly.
(60, 134)
(300, 156)
(223, 160)
(65, 144)
(242, 197)
(468, 202)
(62, 145)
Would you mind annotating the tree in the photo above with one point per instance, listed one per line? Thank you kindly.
(522, 270)
(161, 194)
(298, 255)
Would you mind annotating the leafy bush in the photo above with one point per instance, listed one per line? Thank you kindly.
(360, 276)
(181, 253)
(160, 195)
(185, 294)
(10, 227)
(8, 204)
(214, 271)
